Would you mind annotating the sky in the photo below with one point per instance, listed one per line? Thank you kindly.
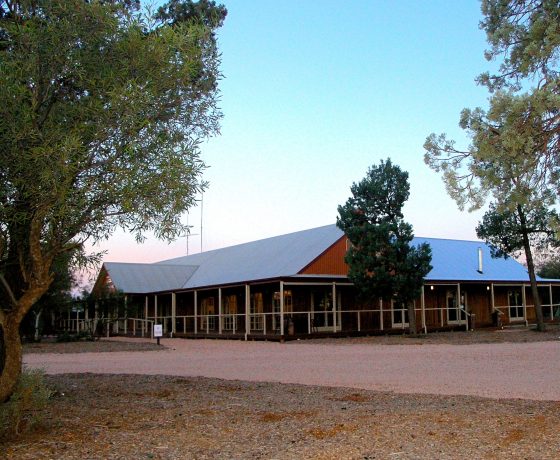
(314, 93)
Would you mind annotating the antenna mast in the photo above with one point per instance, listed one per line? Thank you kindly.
(189, 234)
(201, 209)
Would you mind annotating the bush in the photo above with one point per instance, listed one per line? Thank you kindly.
(67, 337)
(25, 407)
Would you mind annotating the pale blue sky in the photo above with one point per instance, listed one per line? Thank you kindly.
(316, 91)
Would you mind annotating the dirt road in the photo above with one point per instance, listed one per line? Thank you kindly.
(504, 370)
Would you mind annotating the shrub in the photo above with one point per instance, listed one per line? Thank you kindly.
(68, 337)
(25, 407)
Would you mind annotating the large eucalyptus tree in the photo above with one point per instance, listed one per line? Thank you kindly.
(103, 106)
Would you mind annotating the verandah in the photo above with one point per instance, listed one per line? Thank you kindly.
(292, 308)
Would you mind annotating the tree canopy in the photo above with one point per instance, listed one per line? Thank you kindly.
(550, 269)
(514, 156)
(102, 111)
(382, 262)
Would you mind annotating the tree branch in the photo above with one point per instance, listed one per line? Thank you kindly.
(8, 289)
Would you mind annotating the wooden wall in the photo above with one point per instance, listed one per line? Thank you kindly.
(331, 262)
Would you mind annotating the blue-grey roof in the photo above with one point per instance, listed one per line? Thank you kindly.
(457, 260)
(275, 257)
(145, 278)
(287, 255)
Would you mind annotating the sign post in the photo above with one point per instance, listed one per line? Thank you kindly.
(158, 331)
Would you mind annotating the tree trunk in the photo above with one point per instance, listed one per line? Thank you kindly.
(531, 270)
(10, 321)
(412, 330)
(2, 349)
(12, 361)
(37, 320)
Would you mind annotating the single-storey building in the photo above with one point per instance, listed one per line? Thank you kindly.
(296, 285)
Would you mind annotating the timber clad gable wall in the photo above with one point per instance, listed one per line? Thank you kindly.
(331, 262)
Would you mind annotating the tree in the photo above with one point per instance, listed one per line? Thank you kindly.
(510, 231)
(382, 263)
(102, 110)
(526, 34)
(550, 269)
(513, 158)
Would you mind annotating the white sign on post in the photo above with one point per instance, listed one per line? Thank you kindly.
(158, 330)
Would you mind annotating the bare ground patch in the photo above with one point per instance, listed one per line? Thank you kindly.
(142, 417)
(82, 346)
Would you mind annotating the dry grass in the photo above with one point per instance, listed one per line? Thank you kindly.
(118, 416)
(159, 417)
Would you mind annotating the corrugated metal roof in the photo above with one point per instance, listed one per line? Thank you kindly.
(457, 260)
(275, 257)
(287, 255)
(145, 278)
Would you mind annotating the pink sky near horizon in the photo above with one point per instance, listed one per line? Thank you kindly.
(314, 96)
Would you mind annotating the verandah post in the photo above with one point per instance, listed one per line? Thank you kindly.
(220, 310)
(195, 312)
(423, 306)
(334, 305)
(492, 297)
(524, 300)
(551, 307)
(145, 322)
(155, 309)
(282, 309)
(125, 315)
(247, 310)
(173, 313)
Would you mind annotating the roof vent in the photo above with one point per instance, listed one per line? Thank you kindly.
(479, 260)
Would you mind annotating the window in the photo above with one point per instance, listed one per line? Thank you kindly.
(208, 321)
(287, 301)
(276, 307)
(323, 313)
(515, 303)
(399, 313)
(257, 319)
(230, 310)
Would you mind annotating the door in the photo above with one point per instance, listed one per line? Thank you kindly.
(276, 308)
(399, 315)
(515, 303)
(322, 311)
(455, 313)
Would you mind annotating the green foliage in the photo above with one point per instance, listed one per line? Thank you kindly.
(24, 410)
(103, 107)
(66, 337)
(514, 156)
(506, 230)
(509, 159)
(526, 34)
(550, 269)
(204, 12)
(382, 262)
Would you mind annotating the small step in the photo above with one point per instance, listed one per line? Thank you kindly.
(517, 327)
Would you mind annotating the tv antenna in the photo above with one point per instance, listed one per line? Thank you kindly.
(189, 234)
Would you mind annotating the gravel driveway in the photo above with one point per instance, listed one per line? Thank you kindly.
(503, 370)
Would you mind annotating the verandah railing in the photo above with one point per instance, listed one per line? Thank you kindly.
(110, 326)
(306, 321)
